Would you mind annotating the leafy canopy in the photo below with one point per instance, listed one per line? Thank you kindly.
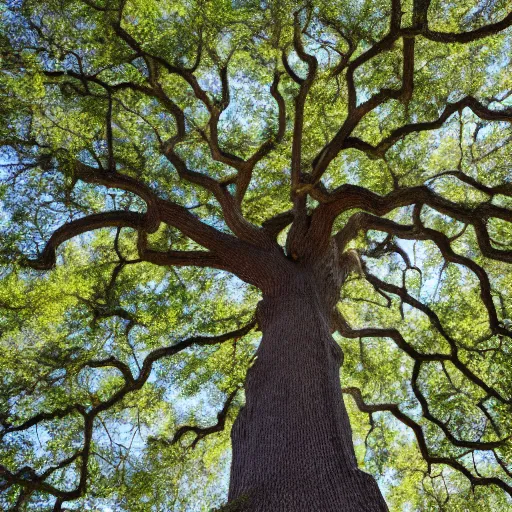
(141, 140)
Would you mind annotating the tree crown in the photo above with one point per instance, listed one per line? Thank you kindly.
(151, 151)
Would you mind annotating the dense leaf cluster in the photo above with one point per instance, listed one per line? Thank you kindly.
(144, 144)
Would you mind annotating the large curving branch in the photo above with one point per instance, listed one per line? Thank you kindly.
(343, 327)
(422, 29)
(357, 112)
(300, 100)
(347, 197)
(342, 139)
(429, 458)
(454, 349)
(474, 445)
(504, 189)
(230, 205)
(294, 242)
(245, 171)
(120, 219)
(477, 107)
(417, 231)
(161, 210)
(202, 432)
(215, 109)
(29, 479)
(345, 330)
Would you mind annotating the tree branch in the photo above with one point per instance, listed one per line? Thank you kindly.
(422, 444)
(202, 432)
(29, 479)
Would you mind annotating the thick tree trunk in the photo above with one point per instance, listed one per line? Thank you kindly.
(292, 442)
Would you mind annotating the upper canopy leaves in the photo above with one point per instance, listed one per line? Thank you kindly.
(140, 136)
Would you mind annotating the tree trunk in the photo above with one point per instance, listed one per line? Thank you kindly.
(292, 442)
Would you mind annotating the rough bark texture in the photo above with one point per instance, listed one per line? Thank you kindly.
(292, 442)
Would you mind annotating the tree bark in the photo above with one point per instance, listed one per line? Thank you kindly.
(292, 442)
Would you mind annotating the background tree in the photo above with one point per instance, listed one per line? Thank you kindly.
(168, 164)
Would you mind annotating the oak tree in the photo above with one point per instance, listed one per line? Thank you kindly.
(209, 207)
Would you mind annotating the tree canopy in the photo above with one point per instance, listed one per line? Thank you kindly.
(147, 147)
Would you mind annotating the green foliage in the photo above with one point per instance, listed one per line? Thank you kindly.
(102, 302)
